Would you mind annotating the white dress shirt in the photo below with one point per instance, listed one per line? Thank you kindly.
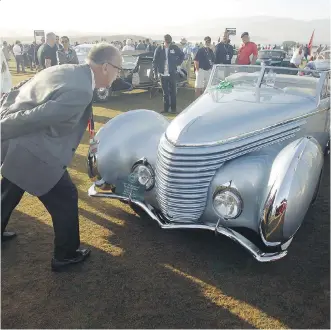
(93, 80)
(166, 64)
(127, 47)
(17, 50)
(297, 58)
(6, 80)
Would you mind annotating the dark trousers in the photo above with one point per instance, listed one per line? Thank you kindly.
(62, 204)
(31, 61)
(168, 84)
(20, 62)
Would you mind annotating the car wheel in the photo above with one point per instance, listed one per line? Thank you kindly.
(139, 211)
(317, 189)
(327, 149)
(102, 94)
(285, 245)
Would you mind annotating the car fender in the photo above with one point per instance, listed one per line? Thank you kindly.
(247, 174)
(293, 181)
(127, 138)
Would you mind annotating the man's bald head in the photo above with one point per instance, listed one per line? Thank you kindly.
(105, 61)
(103, 53)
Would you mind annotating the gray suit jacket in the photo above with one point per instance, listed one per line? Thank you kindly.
(42, 124)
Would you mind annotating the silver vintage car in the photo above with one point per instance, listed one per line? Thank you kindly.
(244, 160)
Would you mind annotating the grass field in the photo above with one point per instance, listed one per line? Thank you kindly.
(139, 276)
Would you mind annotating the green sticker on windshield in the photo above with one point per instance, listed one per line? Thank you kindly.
(225, 85)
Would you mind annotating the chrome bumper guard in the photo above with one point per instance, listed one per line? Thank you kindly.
(238, 238)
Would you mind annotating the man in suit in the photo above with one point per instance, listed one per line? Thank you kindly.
(165, 62)
(42, 124)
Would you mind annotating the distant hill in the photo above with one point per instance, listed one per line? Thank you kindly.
(263, 29)
(81, 38)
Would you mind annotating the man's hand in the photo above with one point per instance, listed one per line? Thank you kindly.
(196, 65)
(48, 62)
(3, 67)
(254, 60)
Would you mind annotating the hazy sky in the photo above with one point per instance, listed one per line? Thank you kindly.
(132, 15)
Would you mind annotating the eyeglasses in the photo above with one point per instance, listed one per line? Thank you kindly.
(64, 41)
(114, 66)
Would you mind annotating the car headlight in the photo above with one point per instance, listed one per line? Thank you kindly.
(227, 203)
(145, 174)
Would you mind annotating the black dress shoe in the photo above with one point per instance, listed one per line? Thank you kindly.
(60, 264)
(7, 235)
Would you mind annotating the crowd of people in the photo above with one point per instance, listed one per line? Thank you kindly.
(50, 51)
(130, 45)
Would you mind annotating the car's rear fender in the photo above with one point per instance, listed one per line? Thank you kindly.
(292, 184)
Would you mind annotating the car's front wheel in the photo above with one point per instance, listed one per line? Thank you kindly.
(138, 210)
(102, 94)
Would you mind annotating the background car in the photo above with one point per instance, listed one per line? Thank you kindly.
(323, 61)
(273, 57)
(102, 94)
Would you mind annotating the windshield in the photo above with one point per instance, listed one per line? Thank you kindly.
(270, 54)
(227, 78)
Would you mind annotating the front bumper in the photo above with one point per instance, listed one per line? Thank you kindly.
(218, 229)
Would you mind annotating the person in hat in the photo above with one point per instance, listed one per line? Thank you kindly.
(247, 53)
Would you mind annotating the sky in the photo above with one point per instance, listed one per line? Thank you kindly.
(132, 16)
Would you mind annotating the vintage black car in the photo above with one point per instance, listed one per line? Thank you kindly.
(273, 57)
(137, 72)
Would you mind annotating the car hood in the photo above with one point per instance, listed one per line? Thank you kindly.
(218, 115)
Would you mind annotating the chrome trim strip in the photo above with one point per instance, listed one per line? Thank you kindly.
(246, 135)
(174, 168)
(238, 238)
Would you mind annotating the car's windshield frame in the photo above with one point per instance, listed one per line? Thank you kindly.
(263, 77)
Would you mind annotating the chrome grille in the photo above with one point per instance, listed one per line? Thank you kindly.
(183, 174)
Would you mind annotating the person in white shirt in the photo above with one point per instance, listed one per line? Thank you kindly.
(129, 46)
(18, 53)
(297, 57)
(6, 80)
(5, 50)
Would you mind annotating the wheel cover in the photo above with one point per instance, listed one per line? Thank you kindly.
(103, 93)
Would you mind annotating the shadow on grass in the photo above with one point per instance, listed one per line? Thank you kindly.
(176, 279)
(294, 290)
(104, 292)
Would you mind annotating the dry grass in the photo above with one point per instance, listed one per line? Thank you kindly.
(139, 276)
